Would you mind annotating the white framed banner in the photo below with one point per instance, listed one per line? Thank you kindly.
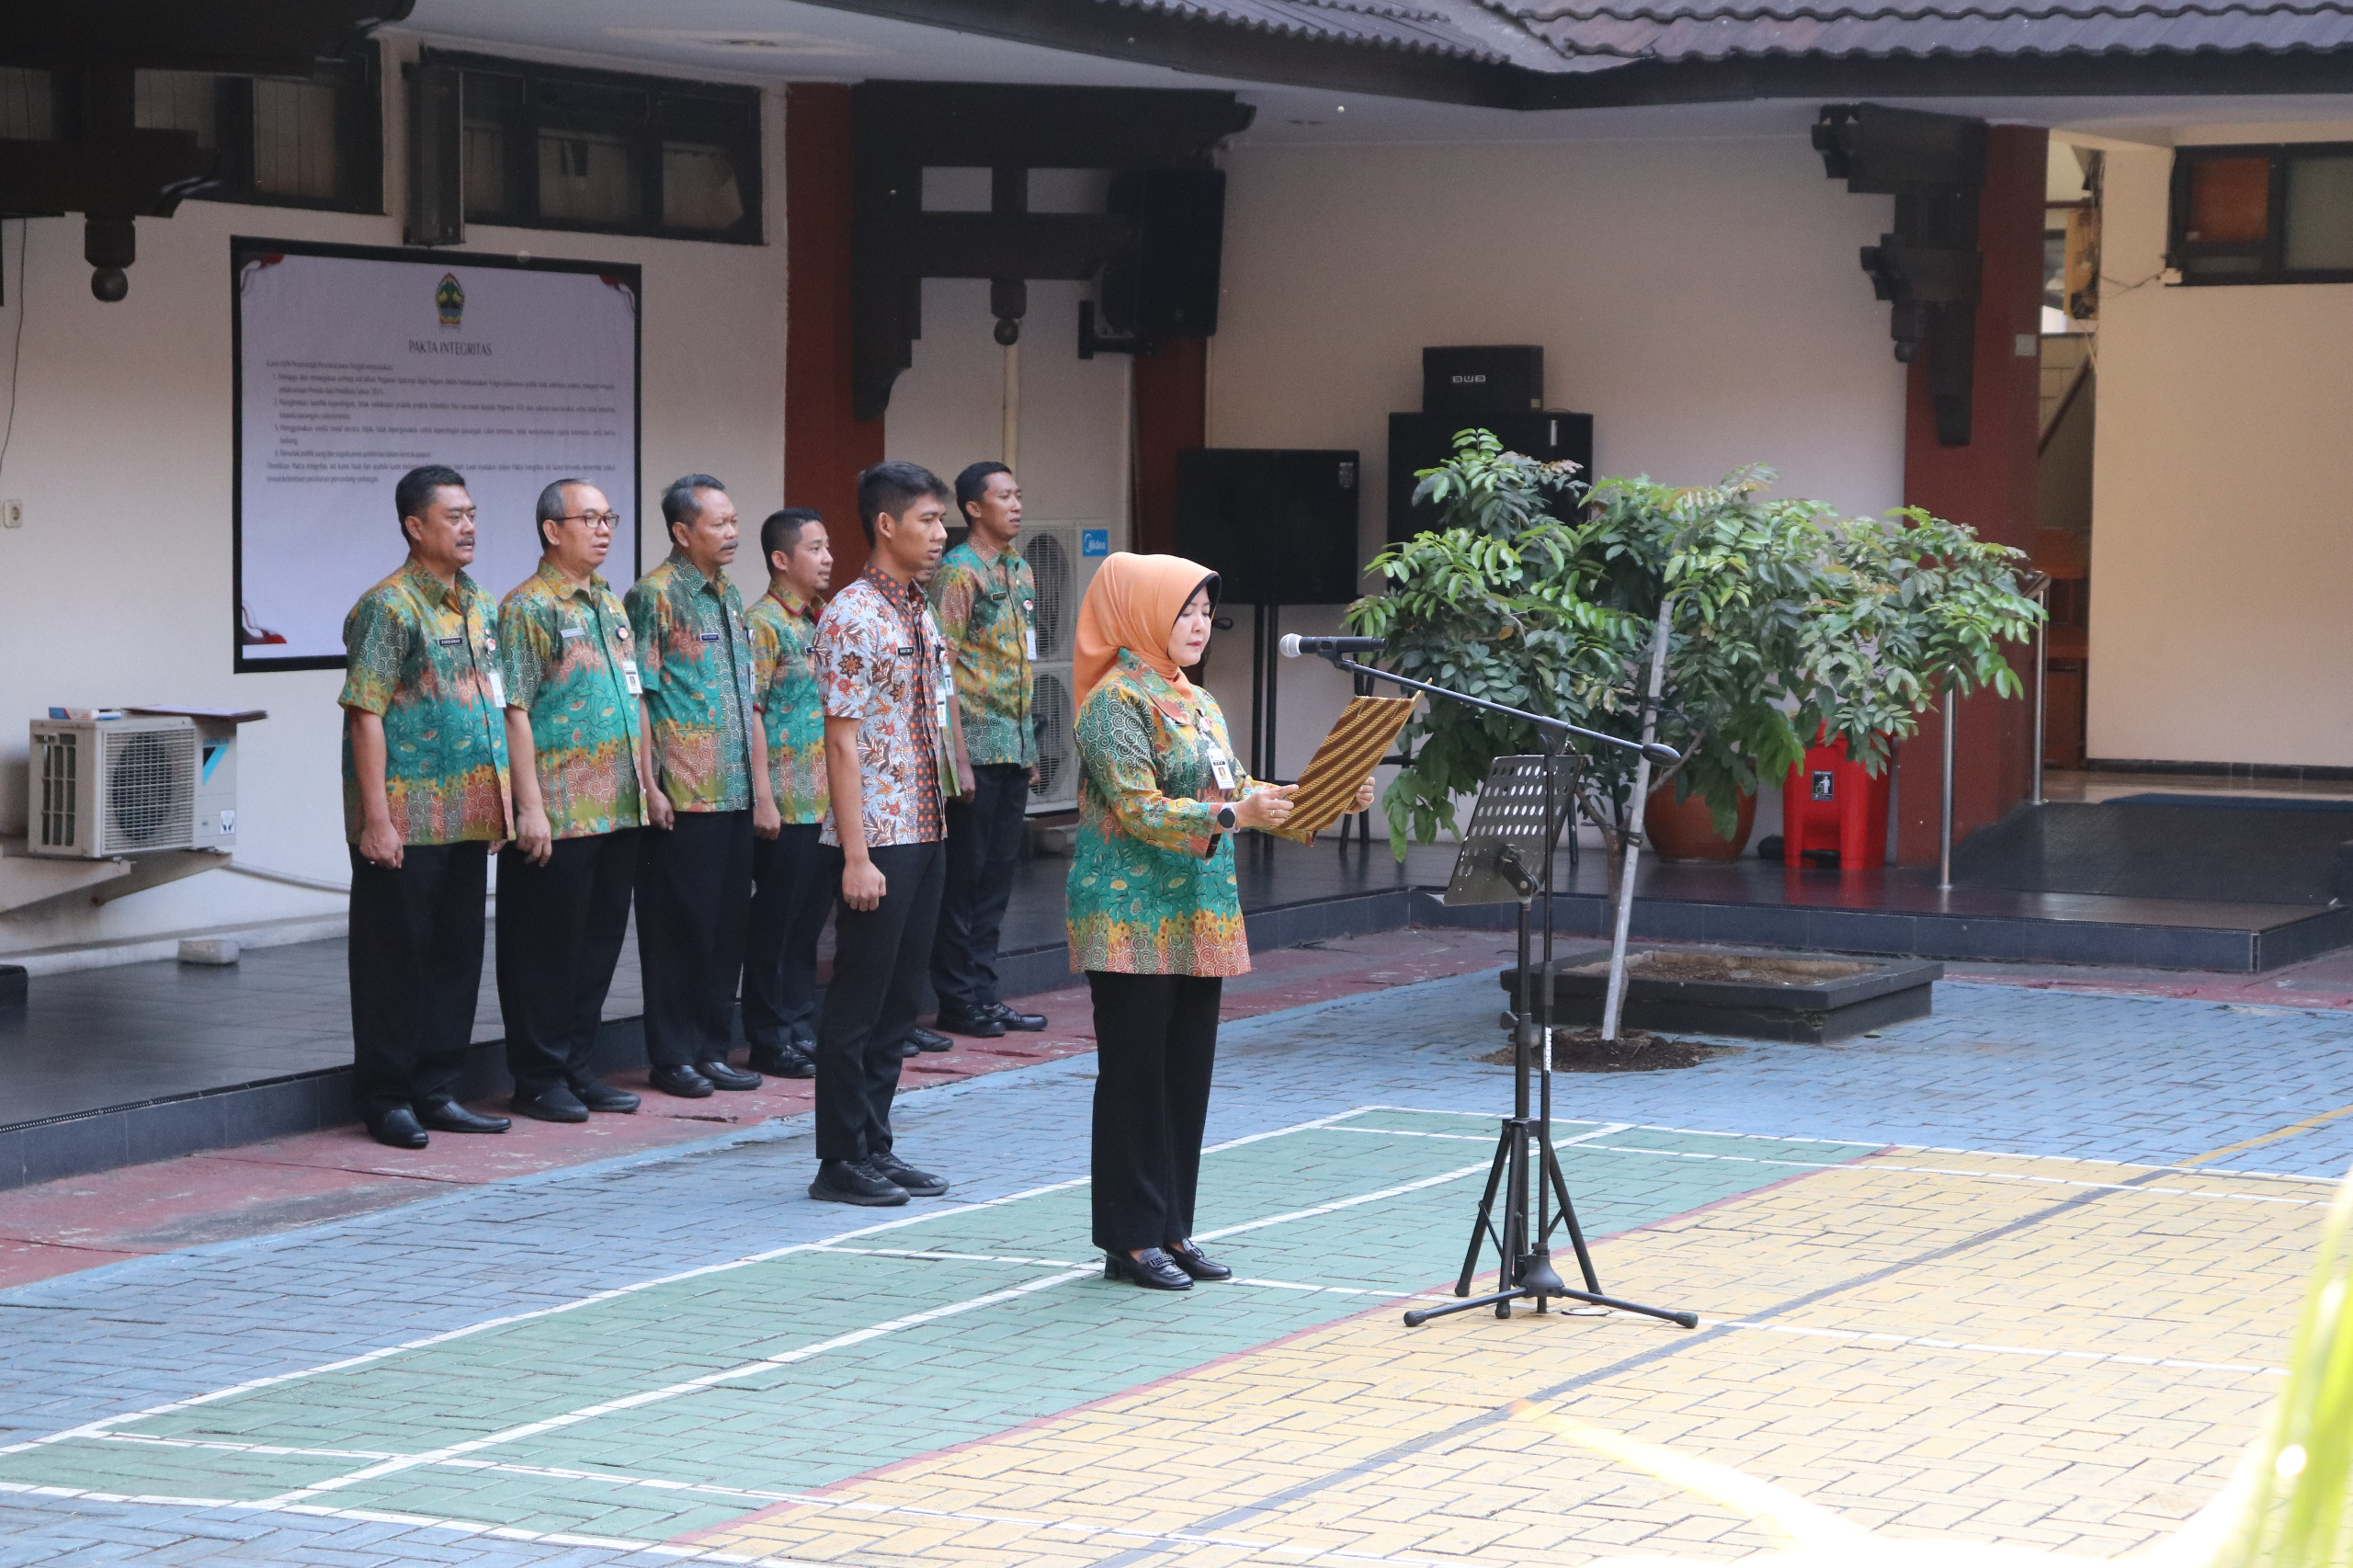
(355, 364)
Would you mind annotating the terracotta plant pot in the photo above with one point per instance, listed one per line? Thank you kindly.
(1684, 831)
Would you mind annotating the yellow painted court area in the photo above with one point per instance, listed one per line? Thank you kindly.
(2055, 1353)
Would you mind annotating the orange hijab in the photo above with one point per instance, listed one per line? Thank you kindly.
(1133, 602)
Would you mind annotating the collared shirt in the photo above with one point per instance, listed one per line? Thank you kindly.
(988, 610)
(1152, 888)
(880, 660)
(696, 662)
(793, 711)
(569, 658)
(423, 656)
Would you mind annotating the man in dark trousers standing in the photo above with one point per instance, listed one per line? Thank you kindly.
(424, 799)
(694, 881)
(789, 896)
(987, 603)
(894, 759)
(581, 771)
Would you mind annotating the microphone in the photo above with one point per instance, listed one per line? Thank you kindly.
(1293, 645)
(1665, 755)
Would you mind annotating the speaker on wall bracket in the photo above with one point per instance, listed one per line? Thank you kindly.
(1279, 527)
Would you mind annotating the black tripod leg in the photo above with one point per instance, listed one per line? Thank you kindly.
(1569, 1215)
(1480, 1228)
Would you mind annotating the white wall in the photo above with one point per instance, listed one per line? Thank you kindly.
(116, 589)
(2221, 535)
(1699, 298)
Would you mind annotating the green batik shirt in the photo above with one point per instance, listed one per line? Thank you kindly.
(988, 611)
(695, 660)
(792, 710)
(570, 662)
(425, 657)
(1152, 888)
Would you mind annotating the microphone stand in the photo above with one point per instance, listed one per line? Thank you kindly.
(1525, 1250)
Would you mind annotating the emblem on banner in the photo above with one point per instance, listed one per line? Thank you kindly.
(450, 298)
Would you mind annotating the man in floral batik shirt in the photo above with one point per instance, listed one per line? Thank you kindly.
(894, 757)
(987, 605)
(424, 798)
(581, 771)
(789, 896)
(694, 876)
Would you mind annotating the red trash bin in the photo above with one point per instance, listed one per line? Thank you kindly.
(1831, 803)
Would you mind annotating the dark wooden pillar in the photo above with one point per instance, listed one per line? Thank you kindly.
(1988, 485)
(824, 447)
(1171, 413)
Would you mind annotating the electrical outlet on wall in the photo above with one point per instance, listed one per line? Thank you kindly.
(12, 514)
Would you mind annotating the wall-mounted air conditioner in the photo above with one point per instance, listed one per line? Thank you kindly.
(102, 787)
(1062, 558)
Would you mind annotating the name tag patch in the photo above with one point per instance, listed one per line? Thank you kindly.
(573, 631)
(710, 636)
(452, 641)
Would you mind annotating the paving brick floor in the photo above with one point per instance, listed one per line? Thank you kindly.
(2021, 1271)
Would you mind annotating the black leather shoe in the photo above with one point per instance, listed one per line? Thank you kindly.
(554, 1103)
(909, 1047)
(782, 1062)
(448, 1116)
(841, 1181)
(683, 1082)
(723, 1076)
(979, 1025)
(397, 1128)
(1028, 1023)
(898, 1173)
(1196, 1262)
(1152, 1270)
(599, 1095)
(924, 1040)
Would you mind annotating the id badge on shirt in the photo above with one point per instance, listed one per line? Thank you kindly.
(497, 689)
(1029, 631)
(630, 678)
(1220, 770)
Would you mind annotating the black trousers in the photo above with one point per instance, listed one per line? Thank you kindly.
(415, 962)
(880, 957)
(560, 931)
(1155, 1046)
(790, 903)
(984, 847)
(693, 894)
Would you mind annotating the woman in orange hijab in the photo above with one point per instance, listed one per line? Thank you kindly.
(1156, 918)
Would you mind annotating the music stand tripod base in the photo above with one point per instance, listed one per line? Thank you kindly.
(1507, 858)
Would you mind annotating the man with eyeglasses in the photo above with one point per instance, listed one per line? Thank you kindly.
(424, 798)
(580, 760)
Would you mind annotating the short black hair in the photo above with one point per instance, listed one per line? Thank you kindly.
(551, 509)
(679, 502)
(973, 484)
(889, 486)
(414, 491)
(782, 530)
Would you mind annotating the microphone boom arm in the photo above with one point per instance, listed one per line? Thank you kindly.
(1665, 755)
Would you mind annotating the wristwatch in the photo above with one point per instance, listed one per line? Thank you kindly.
(1225, 818)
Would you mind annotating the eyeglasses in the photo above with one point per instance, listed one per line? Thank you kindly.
(606, 520)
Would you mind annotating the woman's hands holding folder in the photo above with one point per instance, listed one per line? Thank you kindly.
(1265, 806)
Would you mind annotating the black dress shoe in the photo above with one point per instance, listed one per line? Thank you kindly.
(1028, 1023)
(1152, 1270)
(554, 1103)
(599, 1095)
(397, 1128)
(723, 1076)
(1196, 1262)
(909, 1047)
(979, 1025)
(898, 1173)
(843, 1181)
(782, 1062)
(448, 1116)
(684, 1082)
(924, 1040)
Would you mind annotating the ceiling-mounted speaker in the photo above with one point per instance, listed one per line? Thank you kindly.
(1165, 285)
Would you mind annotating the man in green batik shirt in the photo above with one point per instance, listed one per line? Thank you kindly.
(986, 603)
(424, 798)
(581, 774)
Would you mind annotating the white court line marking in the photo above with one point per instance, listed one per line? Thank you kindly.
(2328, 1181)
(92, 1428)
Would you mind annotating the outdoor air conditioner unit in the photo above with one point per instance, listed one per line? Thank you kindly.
(1062, 558)
(103, 787)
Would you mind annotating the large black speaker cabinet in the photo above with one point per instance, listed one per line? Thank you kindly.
(1165, 285)
(1280, 528)
(1417, 441)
